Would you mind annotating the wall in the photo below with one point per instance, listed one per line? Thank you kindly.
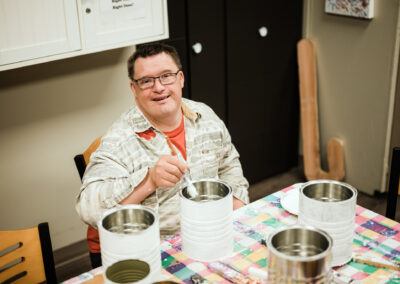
(356, 67)
(48, 113)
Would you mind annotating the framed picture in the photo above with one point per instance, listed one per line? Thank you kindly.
(353, 8)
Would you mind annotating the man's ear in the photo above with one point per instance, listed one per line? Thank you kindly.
(133, 88)
(182, 79)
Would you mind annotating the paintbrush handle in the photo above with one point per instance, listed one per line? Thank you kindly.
(379, 264)
(230, 274)
(191, 188)
(339, 278)
(258, 273)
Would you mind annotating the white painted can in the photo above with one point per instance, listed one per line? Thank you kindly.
(131, 232)
(206, 220)
(330, 206)
(127, 271)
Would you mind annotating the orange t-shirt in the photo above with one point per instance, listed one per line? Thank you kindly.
(93, 239)
(177, 137)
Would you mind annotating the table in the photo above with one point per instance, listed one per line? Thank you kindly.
(375, 236)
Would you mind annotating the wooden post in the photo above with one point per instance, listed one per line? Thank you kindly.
(309, 121)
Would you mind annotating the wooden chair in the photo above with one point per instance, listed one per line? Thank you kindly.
(81, 160)
(26, 256)
(394, 189)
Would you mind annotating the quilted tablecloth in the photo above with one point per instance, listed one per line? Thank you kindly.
(375, 237)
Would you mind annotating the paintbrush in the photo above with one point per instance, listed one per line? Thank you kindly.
(377, 262)
(191, 189)
(339, 278)
(230, 274)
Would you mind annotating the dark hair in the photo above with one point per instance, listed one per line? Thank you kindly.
(151, 49)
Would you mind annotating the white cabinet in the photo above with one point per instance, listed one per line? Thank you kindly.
(36, 31)
(113, 21)
(31, 29)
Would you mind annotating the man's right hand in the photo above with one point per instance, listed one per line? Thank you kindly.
(167, 172)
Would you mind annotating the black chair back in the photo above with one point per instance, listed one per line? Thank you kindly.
(80, 164)
(393, 190)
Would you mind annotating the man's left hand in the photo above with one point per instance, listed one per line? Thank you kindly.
(237, 203)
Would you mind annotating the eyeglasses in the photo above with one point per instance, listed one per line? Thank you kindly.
(165, 79)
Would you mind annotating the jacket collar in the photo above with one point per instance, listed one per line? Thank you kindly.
(139, 122)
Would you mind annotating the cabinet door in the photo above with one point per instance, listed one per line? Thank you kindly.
(262, 85)
(115, 22)
(207, 65)
(32, 29)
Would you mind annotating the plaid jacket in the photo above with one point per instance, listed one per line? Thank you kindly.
(123, 158)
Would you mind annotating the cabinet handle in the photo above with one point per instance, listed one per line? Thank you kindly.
(263, 31)
(88, 10)
(197, 47)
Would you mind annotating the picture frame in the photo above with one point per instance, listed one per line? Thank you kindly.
(353, 8)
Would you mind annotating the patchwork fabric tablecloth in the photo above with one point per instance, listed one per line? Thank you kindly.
(375, 237)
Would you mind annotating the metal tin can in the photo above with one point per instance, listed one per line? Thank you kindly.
(299, 254)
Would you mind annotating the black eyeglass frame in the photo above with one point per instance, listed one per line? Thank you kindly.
(159, 78)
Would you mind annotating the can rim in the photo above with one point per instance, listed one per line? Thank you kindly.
(230, 191)
(321, 255)
(318, 181)
(127, 206)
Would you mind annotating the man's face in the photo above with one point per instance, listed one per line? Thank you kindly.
(160, 101)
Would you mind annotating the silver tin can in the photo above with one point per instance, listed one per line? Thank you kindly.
(299, 254)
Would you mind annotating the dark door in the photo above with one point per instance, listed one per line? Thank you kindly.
(207, 74)
(262, 84)
(177, 37)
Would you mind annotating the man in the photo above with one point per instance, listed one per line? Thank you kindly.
(144, 155)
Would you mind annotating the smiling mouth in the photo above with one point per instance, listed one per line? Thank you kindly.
(161, 99)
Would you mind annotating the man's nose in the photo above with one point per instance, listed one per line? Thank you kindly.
(158, 85)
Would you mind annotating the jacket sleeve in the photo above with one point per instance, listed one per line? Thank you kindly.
(107, 181)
